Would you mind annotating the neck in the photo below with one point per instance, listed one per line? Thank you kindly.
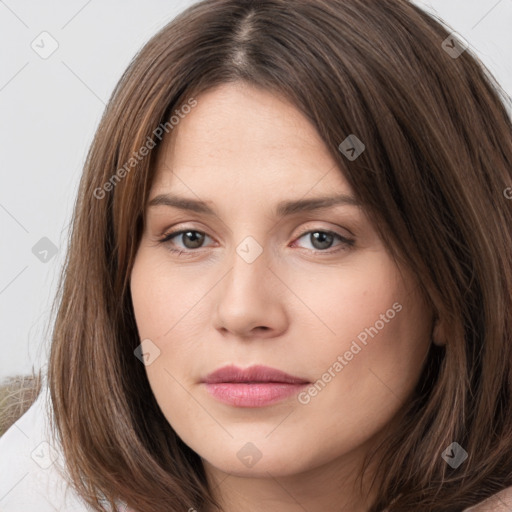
(331, 486)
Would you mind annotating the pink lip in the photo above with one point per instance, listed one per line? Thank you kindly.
(256, 386)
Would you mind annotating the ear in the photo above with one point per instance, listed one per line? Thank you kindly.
(438, 332)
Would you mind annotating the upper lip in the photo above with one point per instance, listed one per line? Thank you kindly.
(256, 373)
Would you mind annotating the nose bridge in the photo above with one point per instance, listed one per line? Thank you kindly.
(249, 262)
(246, 298)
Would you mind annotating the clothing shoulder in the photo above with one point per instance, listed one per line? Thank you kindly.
(500, 502)
(31, 466)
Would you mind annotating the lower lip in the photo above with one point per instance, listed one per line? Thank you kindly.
(252, 395)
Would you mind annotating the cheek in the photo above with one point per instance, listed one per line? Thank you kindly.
(163, 294)
(369, 361)
(361, 302)
(167, 308)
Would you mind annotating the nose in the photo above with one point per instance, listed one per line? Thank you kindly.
(250, 299)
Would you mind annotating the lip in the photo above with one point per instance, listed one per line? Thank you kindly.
(256, 386)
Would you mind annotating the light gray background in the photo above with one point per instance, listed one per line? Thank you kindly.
(50, 108)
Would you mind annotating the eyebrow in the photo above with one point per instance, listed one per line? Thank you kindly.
(283, 209)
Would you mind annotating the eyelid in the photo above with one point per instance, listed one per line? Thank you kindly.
(313, 225)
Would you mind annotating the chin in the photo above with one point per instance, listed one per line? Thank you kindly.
(258, 459)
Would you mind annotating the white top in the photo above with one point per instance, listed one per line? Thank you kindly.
(30, 462)
(31, 466)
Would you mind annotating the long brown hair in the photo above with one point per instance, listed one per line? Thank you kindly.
(433, 178)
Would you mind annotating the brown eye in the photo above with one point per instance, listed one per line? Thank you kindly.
(191, 239)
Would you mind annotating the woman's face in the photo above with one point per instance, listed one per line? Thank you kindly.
(310, 292)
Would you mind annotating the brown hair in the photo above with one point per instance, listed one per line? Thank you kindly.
(432, 178)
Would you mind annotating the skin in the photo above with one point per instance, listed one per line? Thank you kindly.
(297, 307)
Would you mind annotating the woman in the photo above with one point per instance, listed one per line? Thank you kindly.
(289, 280)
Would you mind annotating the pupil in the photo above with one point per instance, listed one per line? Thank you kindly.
(321, 238)
(195, 243)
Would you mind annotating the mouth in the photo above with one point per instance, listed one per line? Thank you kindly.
(256, 386)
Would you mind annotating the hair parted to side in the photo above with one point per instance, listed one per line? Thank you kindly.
(432, 178)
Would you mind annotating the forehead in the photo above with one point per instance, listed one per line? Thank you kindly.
(248, 137)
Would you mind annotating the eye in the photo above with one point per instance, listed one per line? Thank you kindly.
(191, 238)
(322, 240)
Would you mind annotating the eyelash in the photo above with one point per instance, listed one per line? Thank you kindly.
(346, 244)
